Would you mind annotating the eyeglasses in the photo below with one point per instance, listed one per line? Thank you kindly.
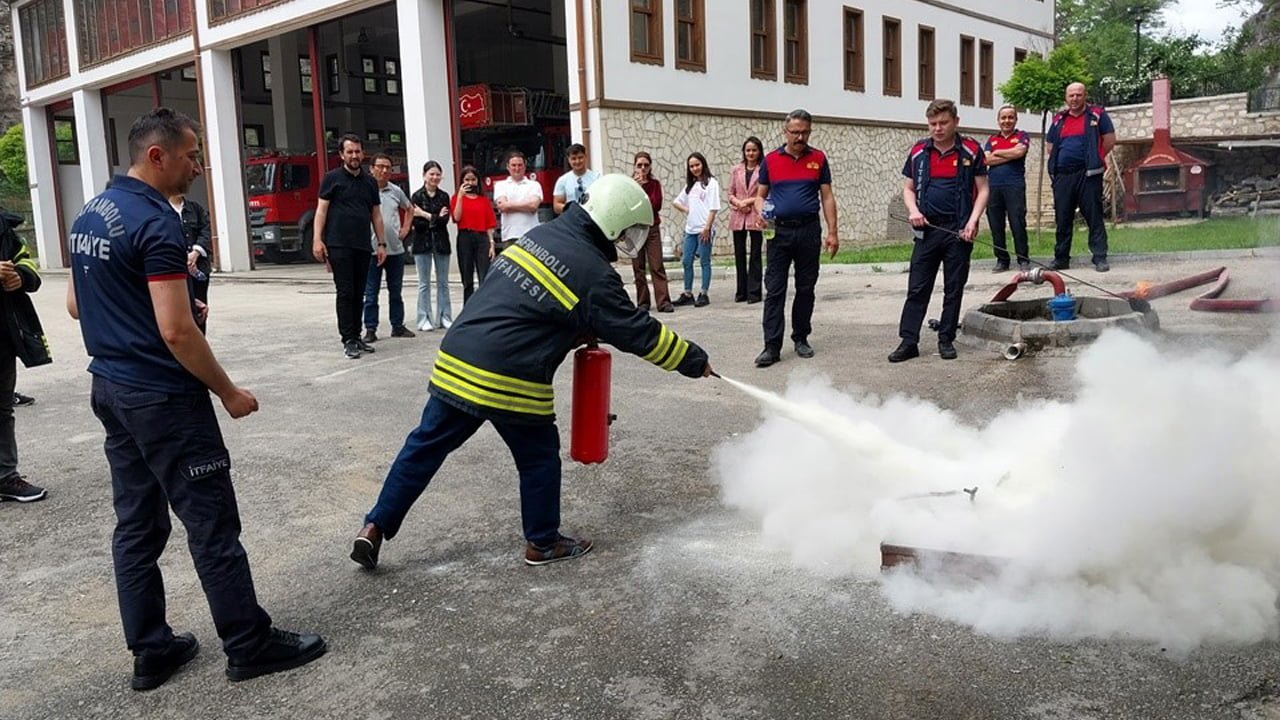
(642, 164)
(798, 133)
(381, 167)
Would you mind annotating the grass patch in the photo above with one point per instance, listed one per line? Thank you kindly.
(1213, 234)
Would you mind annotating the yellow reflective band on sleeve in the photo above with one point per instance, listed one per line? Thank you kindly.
(677, 355)
(665, 338)
(493, 380)
(542, 274)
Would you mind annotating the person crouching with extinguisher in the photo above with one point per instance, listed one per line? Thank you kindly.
(541, 298)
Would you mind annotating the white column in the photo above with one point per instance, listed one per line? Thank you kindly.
(427, 110)
(91, 129)
(286, 93)
(41, 169)
(226, 174)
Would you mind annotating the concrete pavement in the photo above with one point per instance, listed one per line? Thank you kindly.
(680, 612)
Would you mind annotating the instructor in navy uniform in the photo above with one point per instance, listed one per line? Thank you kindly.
(152, 373)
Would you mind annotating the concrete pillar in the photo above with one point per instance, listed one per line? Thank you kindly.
(286, 92)
(91, 129)
(41, 169)
(427, 110)
(226, 167)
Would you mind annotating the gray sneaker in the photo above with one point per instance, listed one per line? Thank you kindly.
(351, 349)
(16, 488)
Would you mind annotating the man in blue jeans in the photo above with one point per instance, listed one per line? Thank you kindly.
(543, 295)
(394, 204)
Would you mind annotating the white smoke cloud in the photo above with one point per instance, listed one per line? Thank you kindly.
(1146, 508)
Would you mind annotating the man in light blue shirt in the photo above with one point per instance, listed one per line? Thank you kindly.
(573, 185)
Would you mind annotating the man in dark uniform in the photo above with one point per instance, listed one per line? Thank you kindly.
(349, 202)
(545, 294)
(945, 190)
(152, 373)
(1079, 140)
(196, 225)
(1006, 158)
(796, 179)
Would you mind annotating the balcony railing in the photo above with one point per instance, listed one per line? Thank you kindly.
(109, 29)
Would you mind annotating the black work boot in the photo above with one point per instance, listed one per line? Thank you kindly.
(946, 350)
(282, 651)
(151, 670)
(904, 351)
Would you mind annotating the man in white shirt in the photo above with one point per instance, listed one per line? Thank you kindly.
(518, 199)
(572, 186)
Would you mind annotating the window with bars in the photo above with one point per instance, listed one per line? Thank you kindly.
(795, 41)
(1019, 54)
(892, 57)
(986, 73)
(966, 70)
(646, 31)
(264, 63)
(108, 29)
(925, 73)
(334, 74)
(44, 42)
(691, 35)
(855, 73)
(764, 40)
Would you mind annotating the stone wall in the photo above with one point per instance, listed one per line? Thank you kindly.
(10, 105)
(1218, 116)
(866, 164)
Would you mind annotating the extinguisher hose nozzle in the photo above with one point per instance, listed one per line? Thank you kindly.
(716, 375)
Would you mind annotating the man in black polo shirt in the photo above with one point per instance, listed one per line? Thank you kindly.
(945, 192)
(795, 178)
(348, 203)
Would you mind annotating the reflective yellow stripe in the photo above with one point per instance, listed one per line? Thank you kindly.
(677, 356)
(480, 376)
(487, 398)
(665, 338)
(542, 274)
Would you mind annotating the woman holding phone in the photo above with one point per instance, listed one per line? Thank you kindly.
(473, 213)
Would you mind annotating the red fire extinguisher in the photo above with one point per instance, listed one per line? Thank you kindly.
(592, 367)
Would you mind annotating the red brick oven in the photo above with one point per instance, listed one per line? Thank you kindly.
(1167, 182)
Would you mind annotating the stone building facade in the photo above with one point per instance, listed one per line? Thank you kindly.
(866, 163)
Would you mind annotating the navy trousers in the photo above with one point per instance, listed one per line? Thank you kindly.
(1011, 203)
(166, 451)
(802, 246)
(1074, 190)
(443, 429)
(936, 249)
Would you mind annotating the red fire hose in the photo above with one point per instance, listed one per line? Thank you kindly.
(1036, 276)
(1208, 301)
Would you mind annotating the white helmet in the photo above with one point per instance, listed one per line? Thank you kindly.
(620, 208)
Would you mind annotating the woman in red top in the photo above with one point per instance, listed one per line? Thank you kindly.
(473, 213)
(745, 221)
(652, 250)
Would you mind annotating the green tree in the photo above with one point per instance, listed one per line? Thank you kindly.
(13, 160)
(1039, 85)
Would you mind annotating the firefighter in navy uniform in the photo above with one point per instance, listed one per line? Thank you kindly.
(542, 297)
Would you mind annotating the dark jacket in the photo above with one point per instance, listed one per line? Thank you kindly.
(544, 295)
(431, 236)
(24, 333)
(971, 165)
(196, 227)
(1092, 140)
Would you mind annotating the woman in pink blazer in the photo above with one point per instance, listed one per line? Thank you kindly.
(745, 221)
